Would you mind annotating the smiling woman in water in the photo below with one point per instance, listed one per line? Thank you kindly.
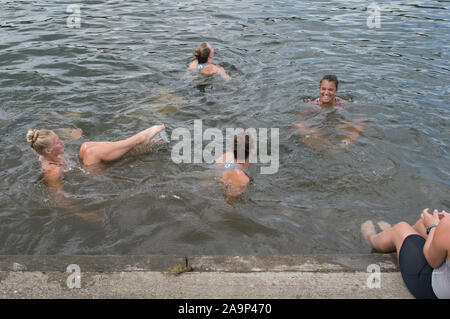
(328, 87)
(327, 102)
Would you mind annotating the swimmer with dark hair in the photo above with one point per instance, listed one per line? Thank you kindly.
(233, 167)
(328, 102)
(328, 87)
(203, 62)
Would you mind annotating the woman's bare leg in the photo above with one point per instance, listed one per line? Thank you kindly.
(389, 240)
(420, 228)
(95, 152)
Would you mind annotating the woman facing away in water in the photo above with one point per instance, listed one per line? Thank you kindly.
(203, 62)
(53, 162)
(232, 167)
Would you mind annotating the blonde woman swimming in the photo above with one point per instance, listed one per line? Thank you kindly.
(51, 150)
(53, 162)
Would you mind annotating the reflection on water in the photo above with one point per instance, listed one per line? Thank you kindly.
(125, 69)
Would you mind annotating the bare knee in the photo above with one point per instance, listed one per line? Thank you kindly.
(88, 154)
(84, 146)
(402, 230)
(402, 226)
(83, 149)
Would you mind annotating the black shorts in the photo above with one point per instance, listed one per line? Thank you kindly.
(416, 271)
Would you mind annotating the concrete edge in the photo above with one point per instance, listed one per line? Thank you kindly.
(247, 263)
(293, 263)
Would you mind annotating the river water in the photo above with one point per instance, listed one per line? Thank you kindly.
(123, 69)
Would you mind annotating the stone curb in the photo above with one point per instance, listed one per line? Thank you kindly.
(251, 263)
(204, 277)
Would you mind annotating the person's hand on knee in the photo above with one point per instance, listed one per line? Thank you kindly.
(429, 219)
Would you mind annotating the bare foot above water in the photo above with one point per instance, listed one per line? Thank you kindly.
(383, 225)
(368, 229)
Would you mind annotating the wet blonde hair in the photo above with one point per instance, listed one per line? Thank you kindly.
(39, 139)
(202, 52)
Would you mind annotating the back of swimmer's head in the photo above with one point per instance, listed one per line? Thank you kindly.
(39, 139)
(239, 141)
(202, 52)
(330, 78)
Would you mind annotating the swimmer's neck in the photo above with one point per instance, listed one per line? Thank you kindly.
(244, 165)
(207, 62)
(230, 156)
(49, 158)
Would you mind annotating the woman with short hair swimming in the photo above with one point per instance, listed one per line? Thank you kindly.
(233, 169)
(203, 62)
(328, 87)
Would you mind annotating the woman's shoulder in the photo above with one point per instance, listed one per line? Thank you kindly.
(243, 177)
(193, 65)
(341, 101)
(314, 102)
(236, 177)
(52, 172)
(211, 69)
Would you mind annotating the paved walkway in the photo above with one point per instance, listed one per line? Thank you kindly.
(247, 277)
